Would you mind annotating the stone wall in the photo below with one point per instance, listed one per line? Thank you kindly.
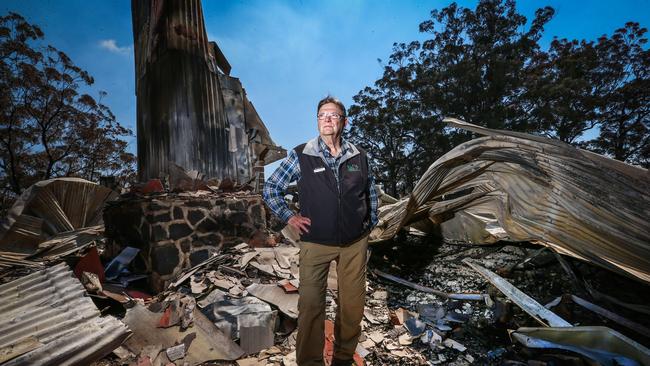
(178, 231)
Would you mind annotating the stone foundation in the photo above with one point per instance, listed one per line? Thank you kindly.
(178, 231)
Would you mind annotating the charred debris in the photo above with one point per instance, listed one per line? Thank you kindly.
(197, 272)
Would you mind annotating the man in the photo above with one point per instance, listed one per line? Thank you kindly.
(338, 208)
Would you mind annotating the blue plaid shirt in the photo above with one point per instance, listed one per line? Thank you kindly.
(289, 171)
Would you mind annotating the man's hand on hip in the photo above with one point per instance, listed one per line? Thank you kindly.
(300, 223)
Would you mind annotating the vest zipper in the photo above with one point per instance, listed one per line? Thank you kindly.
(338, 214)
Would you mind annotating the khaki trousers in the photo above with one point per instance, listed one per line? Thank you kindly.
(351, 270)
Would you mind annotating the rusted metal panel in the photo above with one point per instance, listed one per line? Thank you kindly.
(233, 98)
(262, 145)
(513, 186)
(189, 111)
(47, 320)
(219, 58)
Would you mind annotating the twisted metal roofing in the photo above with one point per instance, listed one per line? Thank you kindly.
(46, 319)
(514, 186)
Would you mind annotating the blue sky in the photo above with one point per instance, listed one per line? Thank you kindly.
(288, 54)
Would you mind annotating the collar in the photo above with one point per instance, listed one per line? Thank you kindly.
(312, 147)
(322, 146)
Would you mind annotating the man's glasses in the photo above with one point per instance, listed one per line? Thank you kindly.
(324, 116)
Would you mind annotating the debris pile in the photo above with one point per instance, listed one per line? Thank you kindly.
(509, 326)
(189, 272)
(433, 307)
(445, 313)
(240, 305)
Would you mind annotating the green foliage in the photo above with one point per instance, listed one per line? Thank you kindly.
(485, 66)
(563, 90)
(624, 113)
(47, 128)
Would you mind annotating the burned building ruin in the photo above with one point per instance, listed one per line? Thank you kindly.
(190, 111)
(192, 117)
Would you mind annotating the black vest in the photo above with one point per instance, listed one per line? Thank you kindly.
(339, 213)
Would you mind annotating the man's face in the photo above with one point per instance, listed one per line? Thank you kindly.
(330, 126)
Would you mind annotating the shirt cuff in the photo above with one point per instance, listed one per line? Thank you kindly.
(286, 214)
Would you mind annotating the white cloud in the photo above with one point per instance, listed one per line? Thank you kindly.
(111, 45)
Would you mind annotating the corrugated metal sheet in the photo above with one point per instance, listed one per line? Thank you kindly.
(52, 207)
(47, 320)
(189, 112)
(514, 186)
(233, 98)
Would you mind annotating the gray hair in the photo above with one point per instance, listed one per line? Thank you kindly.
(334, 100)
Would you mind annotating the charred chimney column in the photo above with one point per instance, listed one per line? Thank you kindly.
(181, 118)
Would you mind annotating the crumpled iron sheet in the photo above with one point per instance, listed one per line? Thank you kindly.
(600, 344)
(52, 207)
(9, 260)
(68, 242)
(518, 187)
(46, 319)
